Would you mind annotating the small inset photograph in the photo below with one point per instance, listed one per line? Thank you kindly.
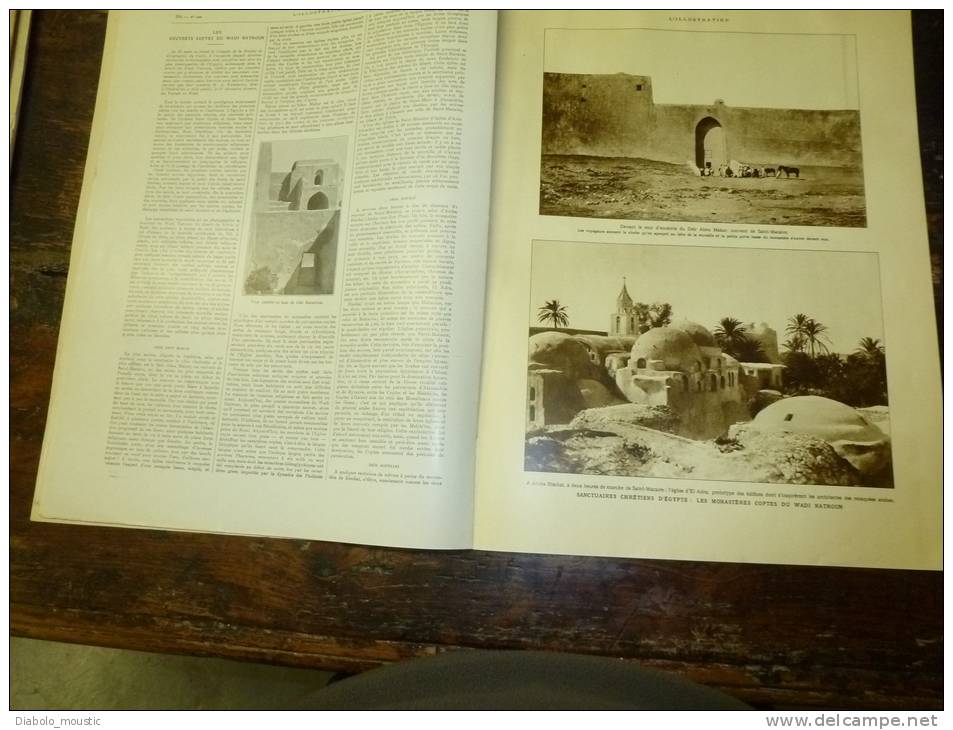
(296, 217)
(702, 126)
(729, 364)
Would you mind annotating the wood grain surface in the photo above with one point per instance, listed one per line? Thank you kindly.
(775, 636)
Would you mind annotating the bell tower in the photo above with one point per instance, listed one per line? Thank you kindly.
(622, 322)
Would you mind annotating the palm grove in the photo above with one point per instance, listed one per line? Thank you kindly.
(858, 379)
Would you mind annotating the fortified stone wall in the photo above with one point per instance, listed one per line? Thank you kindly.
(586, 114)
(615, 116)
(318, 277)
(291, 226)
(310, 178)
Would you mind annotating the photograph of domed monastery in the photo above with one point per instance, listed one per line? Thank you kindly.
(702, 126)
(691, 362)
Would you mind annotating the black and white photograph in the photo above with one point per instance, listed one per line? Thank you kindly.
(296, 217)
(758, 128)
(692, 362)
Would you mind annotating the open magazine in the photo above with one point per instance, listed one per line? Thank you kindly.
(648, 284)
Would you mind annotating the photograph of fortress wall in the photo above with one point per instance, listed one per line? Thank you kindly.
(698, 139)
(615, 116)
(730, 364)
(296, 217)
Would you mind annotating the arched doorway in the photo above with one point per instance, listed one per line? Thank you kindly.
(711, 149)
(318, 201)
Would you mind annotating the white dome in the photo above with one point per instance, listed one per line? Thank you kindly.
(672, 346)
(700, 335)
(828, 419)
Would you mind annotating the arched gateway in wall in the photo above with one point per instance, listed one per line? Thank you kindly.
(711, 148)
(318, 201)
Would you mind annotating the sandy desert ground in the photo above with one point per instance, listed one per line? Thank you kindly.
(638, 189)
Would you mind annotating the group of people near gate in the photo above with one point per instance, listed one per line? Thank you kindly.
(740, 169)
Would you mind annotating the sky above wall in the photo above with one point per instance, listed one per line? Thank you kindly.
(704, 284)
(774, 70)
(284, 153)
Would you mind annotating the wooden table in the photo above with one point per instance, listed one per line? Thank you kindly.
(774, 636)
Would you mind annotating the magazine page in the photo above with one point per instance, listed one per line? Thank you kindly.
(278, 261)
(710, 332)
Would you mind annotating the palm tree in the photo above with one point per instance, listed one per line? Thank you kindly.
(814, 336)
(794, 343)
(749, 350)
(870, 348)
(553, 311)
(796, 328)
(867, 371)
(730, 334)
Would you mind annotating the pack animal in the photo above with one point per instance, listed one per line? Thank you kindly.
(788, 171)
